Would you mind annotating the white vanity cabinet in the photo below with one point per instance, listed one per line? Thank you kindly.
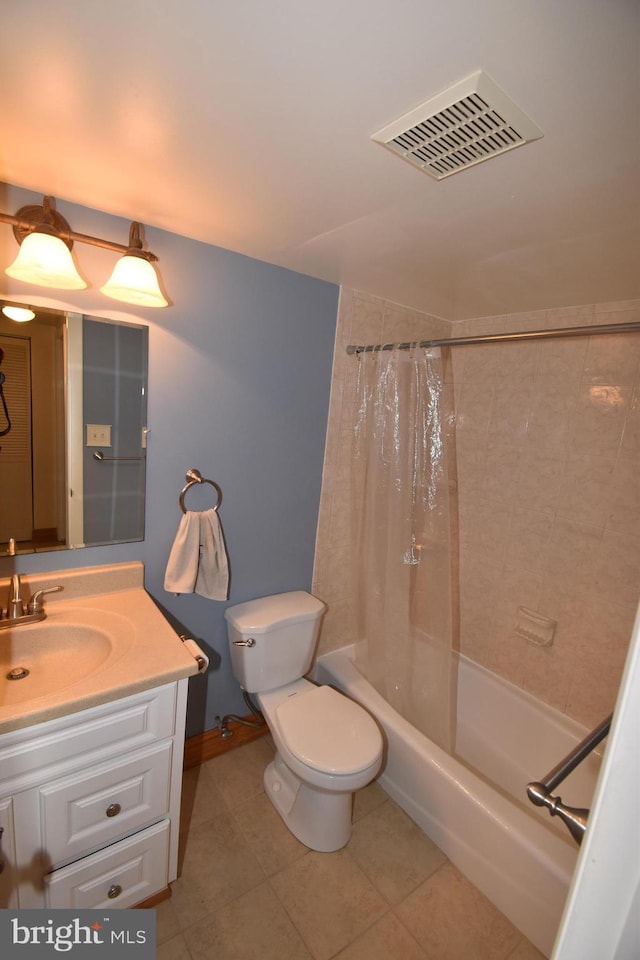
(8, 872)
(90, 803)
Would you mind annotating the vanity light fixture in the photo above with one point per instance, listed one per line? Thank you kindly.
(134, 278)
(45, 257)
(19, 314)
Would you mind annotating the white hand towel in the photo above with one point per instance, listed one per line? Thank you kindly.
(213, 570)
(198, 560)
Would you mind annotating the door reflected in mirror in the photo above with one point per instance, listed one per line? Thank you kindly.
(71, 387)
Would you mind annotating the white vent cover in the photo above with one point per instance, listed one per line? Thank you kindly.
(472, 121)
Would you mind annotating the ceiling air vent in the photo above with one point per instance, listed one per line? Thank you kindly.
(469, 122)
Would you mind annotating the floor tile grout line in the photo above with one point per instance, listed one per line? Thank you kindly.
(399, 919)
(291, 920)
(344, 946)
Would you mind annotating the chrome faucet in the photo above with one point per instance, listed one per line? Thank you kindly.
(17, 614)
(15, 605)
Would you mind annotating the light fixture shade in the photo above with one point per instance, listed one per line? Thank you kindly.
(134, 280)
(46, 260)
(19, 314)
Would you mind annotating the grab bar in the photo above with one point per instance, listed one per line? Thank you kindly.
(539, 791)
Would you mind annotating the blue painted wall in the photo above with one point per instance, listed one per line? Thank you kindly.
(239, 378)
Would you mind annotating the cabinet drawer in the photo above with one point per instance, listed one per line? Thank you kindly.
(27, 756)
(86, 810)
(122, 875)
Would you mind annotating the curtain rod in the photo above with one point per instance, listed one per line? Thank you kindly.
(633, 327)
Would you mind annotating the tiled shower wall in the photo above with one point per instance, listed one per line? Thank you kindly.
(548, 457)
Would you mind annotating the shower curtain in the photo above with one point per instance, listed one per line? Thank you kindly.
(401, 536)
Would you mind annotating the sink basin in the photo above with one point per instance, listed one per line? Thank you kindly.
(57, 653)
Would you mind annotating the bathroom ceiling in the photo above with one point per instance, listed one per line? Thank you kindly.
(247, 124)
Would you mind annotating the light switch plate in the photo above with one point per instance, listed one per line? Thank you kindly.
(98, 434)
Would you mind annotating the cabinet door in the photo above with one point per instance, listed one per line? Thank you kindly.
(8, 871)
(86, 810)
(121, 875)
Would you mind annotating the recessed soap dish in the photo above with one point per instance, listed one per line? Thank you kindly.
(535, 627)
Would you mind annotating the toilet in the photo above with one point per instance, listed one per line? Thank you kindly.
(327, 746)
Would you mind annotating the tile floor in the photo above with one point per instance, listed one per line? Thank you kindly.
(248, 890)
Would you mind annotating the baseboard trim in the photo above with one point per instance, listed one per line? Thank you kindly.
(155, 899)
(210, 744)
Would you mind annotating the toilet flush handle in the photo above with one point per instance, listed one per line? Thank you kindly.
(244, 643)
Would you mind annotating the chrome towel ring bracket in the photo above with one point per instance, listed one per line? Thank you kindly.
(194, 476)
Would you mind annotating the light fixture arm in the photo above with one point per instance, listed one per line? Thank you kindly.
(46, 218)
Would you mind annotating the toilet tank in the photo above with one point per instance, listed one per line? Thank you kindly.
(284, 628)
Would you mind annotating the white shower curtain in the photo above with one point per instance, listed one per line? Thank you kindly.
(401, 537)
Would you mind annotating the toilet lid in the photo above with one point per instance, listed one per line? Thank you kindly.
(329, 732)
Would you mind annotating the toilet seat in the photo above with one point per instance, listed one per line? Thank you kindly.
(328, 732)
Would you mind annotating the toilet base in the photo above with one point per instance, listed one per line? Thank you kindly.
(318, 818)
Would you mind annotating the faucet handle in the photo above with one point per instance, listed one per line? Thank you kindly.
(36, 604)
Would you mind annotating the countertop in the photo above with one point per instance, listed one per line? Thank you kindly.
(149, 652)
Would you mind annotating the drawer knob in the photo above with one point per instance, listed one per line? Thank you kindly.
(113, 809)
(114, 891)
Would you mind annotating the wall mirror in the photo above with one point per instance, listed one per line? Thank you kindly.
(73, 428)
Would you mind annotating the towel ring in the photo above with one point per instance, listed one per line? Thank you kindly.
(194, 476)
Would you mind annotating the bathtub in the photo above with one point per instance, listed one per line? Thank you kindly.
(473, 805)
